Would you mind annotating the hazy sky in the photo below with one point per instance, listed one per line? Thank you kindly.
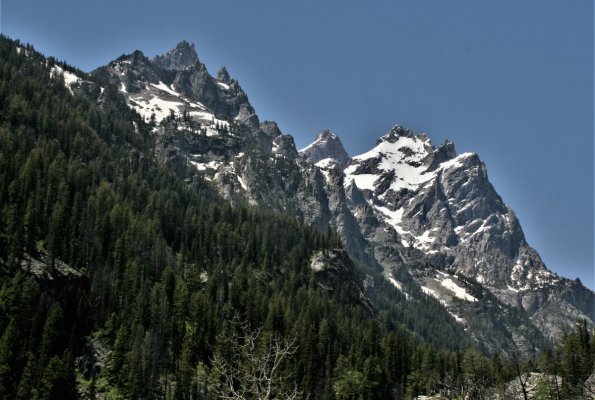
(511, 80)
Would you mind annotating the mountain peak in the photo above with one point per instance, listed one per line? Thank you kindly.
(270, 128)
(326, 134)
(326, 147)
(395, 133)
(135, 57)
(223, 75)
(445, 152)
(179, 58)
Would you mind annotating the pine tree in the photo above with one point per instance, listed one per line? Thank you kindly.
(28, 382)
(52, 338)
(9, 348)
(349, 383)
(58, 379)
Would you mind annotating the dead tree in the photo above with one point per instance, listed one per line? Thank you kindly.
(255, 368)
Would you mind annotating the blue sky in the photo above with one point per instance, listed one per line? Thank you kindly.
(510, 80)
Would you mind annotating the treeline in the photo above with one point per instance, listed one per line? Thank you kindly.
(170, 284)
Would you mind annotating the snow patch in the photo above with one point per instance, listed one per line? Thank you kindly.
(242, 183)
(394, 219)
(165, 88)
(517, 270)
(326, 163)
(326, 174)
(204, 166)
(399, 286)
(457, 290)
(396, 283)
(456, 162)
(433, 293)
(69, 78)
(155, 105)
(457, 318)
(424, 241)
(362, 181)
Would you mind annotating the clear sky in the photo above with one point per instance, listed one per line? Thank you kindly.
(511, 80)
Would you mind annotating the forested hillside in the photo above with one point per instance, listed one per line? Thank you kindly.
(120, 280)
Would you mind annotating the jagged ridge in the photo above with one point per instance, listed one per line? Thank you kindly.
(406, 208)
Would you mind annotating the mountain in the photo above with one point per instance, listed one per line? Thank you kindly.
(157, 240)
(442, 204)
(424, 217)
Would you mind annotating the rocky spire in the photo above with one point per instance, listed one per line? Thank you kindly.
(394, 134)
(445, 152)
(179, 58)
(223, 75)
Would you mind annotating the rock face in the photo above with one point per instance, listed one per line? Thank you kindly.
(183, 56)
(223, 75)
(43, 270)
(333, 269)
(423, 216)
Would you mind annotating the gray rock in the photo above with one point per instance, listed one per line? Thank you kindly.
(284, 145)
(334, 268)
(181, 57)
(223, 75)
(270, 128)
(43, 269)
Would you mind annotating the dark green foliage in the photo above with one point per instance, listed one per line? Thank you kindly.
(574, 361)
(58, 379)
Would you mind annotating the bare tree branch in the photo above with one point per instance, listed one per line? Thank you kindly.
(255, 369)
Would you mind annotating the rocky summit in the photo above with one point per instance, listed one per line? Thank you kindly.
(424, 217)
(326, 151)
